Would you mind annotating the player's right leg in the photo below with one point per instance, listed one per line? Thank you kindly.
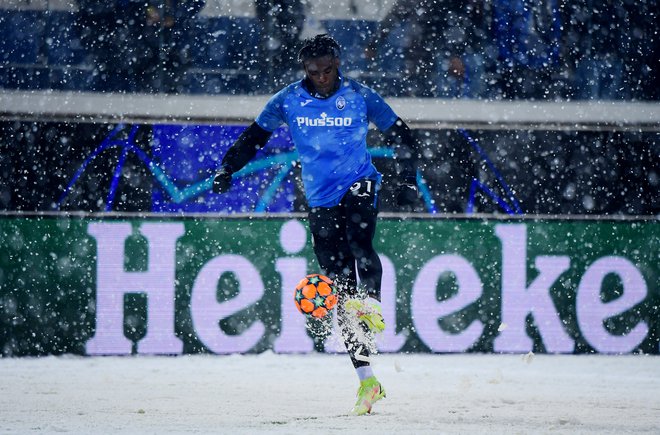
(328, 228)
(360, 207)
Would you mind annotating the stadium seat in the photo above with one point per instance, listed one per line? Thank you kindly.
(210, 42)
(244, 42)
(24, 77)
(21, 36)
(62, 39)
(76, 78)
(222, 52)
(206, 82)
(352, 36)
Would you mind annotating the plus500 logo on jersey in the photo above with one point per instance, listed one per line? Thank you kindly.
(323, 121)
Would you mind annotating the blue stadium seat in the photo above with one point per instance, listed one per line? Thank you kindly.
(24, 77)
(21, 36)
(223, 49)
(213, 82)
(210, 42)
(206, 82)
(224, 42)
(70, 78)
(244, 42)
(352, 36)
(62, 39)
(240, 83)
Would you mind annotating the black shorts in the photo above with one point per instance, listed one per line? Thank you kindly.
(343, 238)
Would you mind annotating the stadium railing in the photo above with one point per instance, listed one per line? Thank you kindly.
(421, 113)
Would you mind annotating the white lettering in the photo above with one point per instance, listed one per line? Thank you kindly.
(293, 336)
(592, 311)
(206, 311)
(389, 340)
(113, 283)
(518, 300)
(323, 121)
(426, 310)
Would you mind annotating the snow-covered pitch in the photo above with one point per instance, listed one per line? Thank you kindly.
(313, 393)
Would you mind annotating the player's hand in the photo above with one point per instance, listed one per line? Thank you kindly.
(222, 181)
(406, 191)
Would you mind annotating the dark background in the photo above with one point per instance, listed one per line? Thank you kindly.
(500, 172)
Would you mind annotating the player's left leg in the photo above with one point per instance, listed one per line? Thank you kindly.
(361, 209)
(359, 343)
(327, 226)
(361, 213)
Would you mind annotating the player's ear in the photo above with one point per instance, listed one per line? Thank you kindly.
(337, 62)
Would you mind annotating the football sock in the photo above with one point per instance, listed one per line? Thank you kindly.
(364, 372)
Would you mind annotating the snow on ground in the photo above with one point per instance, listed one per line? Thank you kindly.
(302, 394)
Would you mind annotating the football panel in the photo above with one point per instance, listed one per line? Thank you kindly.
(319, 312)
(307, 306)
(309, 291)
(302, 283)
(330, 302)
(323, 288)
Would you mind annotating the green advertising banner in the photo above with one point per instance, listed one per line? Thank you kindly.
(155, 285)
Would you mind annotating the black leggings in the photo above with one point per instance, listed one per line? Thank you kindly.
(342, 237)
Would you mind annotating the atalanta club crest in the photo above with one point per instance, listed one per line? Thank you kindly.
(340, 103)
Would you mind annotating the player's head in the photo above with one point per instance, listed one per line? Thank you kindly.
(318, 46)
(319, 57)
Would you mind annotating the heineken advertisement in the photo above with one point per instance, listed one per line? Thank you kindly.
(225, 285)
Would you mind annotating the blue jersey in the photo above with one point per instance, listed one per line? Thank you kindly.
(330, 135)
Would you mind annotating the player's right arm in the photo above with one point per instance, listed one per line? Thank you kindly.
(239, 154)
(250, 141)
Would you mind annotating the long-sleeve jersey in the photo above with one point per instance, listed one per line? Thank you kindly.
(330, 135)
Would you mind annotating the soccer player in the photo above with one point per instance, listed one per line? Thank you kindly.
(328, 117)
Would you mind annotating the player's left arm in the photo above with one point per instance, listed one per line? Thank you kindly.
(401, 138)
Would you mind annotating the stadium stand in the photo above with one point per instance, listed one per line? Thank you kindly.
(40, 48)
